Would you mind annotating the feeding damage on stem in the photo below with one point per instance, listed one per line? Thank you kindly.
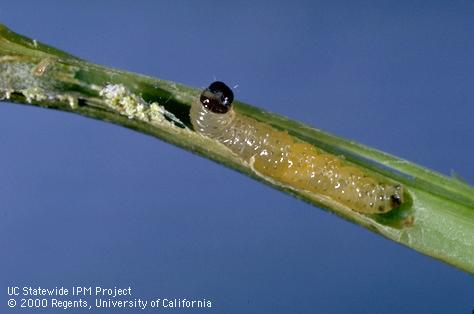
(121, 100)
(25, 77)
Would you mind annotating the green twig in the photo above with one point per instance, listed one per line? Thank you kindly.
(437, 219)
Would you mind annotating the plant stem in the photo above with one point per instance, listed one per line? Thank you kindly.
(438, 219)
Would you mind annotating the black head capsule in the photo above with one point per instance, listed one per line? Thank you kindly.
(217, 97)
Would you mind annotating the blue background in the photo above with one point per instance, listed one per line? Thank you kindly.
(84, 202)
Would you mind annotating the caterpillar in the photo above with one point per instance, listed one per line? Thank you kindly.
(292, 162)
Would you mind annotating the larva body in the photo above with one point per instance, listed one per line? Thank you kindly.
(292, 162)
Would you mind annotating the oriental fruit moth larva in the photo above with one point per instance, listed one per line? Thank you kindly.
(290, 161)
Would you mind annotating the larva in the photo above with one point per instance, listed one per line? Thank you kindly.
(292, 162)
